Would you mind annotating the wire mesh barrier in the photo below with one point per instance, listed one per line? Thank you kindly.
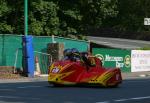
(9, 44)
(11, 49)
(44, 60)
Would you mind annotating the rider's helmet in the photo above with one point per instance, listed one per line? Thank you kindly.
(75, 54)
(67, 52)
(74, 50)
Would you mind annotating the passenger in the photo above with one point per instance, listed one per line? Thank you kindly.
(84, 56)
(87, 60)
(92, 61)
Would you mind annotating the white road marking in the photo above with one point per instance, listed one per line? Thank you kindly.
(30, 87)
(12, 97)
(16, 97)
(126, 99)
(103, 102)
(141, 97)
(6, 90)
(121, 100)
(136, 98)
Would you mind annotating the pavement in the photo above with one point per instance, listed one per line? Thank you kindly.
(25, 79)
(134, 75)
(125, 76)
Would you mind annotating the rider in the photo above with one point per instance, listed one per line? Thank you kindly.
(71, 54)
(67, 54)
(75, 54)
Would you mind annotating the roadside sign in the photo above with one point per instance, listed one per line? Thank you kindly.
(140, 60)
(146, 21)
(112, 58)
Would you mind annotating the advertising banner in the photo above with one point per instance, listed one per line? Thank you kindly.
(112, 58)
(140, 60)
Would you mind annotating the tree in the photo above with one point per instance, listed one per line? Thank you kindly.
(70, 17)
(43, 18)
(131, 15)
(96, 11)
(78, 16)
(5, 26)
(58, 17)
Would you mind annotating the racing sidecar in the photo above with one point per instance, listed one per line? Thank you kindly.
(83, 71)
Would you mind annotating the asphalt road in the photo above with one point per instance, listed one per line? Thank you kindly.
(130, 91)
(119, 43)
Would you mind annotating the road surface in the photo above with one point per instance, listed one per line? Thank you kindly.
(119, 43)
(130, 91)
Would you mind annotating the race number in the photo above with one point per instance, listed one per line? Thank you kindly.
(55, 70)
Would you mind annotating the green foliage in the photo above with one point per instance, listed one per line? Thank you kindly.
(43, 18)
(131, 15)
(57, 17)
(4, 9)
(145, 48)
(74, 17)
(4, 28)
(36, 27)
(96, 11)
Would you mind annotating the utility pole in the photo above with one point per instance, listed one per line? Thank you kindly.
(28, 52)
(25, 17)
